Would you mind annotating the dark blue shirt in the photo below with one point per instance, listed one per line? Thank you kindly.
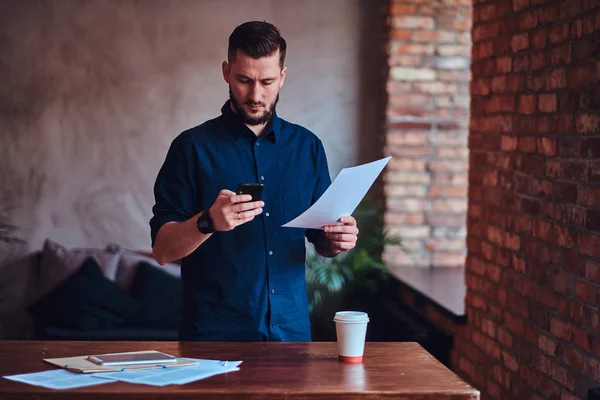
(247, 284)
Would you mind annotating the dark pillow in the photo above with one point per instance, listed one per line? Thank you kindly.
(159, 293)
(87, 300)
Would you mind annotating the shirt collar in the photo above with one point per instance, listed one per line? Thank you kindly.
(238, 129)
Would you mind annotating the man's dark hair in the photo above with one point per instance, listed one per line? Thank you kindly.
(256, 39)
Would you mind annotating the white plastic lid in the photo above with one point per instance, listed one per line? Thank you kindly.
(351, 316)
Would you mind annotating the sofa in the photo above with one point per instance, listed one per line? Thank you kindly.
(109, 293)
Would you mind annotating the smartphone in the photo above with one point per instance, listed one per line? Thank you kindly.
(139, 357)
(254, 189)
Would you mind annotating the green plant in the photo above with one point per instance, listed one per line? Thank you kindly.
(329, 276)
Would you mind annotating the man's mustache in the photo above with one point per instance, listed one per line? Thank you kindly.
(251, 103)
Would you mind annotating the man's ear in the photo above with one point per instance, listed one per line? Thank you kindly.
(283, 72)
(225, 67)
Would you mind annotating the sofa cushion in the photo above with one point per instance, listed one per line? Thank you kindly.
(58, 263)
(87, 300)
(160, 294)
(129, 262)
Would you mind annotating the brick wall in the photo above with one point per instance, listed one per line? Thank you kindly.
(533, 265)
(427, 117)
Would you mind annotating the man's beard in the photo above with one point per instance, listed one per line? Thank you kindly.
(250, 119)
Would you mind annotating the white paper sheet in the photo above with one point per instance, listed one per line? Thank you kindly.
(341, 198)
(173, 376)
(59, 379)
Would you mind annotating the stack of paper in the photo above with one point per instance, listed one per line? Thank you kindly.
(59, 379)
(63, 379)
(173, 376)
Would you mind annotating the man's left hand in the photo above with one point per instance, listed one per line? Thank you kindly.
(342, 237)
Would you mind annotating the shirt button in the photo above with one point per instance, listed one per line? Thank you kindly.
(273, 326)
(257, 144)
(270, 253)
(267, 214)
(273, 291)
(262, 178)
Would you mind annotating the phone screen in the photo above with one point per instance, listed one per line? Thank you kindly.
(253, 189)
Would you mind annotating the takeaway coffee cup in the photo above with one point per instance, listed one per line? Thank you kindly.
(351, 330)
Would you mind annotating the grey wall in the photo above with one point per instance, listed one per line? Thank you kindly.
(93, 92)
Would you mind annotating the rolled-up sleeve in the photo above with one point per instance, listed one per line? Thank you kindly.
(175, 189)
(321, 185)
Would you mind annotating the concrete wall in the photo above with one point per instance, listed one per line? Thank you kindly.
(93, 92)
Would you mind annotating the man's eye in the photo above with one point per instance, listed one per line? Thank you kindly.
(267, 83)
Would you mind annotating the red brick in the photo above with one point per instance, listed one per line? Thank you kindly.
(592, 368)
(579, 76)
(539, 38)
(509, 143)
(585, 50)
(523, 224)
(592, 271)
(546, 146)
(445, 50)
(452, 23)
(535, 83)
(585, 292)
(589, 244)
(413, 48)
(570, 8)
(562, 123)
(561, 55)
(556, 79)
(549, 13)
(528, 20)
(498, 84)
(521, 63)
(588, 123)
(488, 30)
(464, 37)
(527, 145)
(504, 65)
(563, 237)
(581, 339)
(559, 33)
(515, 83)
(520, 4)
(400, 34)
(409, 22)
(520, 42)
(572, 357)
(560, 329)
(398, 87)
(544, 364)
(563, 376)
(435, 87)
(527, 104)
(402, 9)
(539, 59)
(547, 102)
(433, 36)
(547, 344)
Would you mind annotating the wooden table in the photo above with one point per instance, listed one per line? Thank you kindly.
(269, 371)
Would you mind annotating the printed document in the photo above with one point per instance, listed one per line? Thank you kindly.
(173, 376)
(341, 198)
(59, 379)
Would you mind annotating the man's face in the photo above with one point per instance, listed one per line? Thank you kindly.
(254, 86)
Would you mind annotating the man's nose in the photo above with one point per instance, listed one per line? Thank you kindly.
(255, 93)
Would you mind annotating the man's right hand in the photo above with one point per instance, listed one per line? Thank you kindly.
(231, 210)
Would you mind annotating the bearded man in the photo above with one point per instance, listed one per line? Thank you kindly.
(243, 274)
